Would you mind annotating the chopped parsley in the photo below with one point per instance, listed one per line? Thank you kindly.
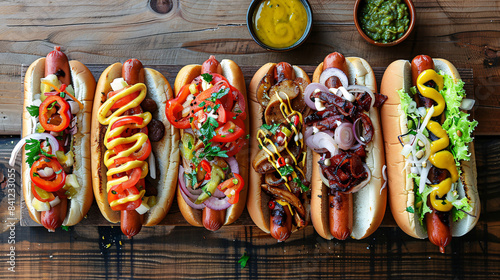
(243, 260)
(409, 209)
(219, 94)
(303, 187)
(33, 151)
(51, 106)
(271, 128)
(286, 170)
(66, 228)
(207, 77)
(202, 104)
(33, 110)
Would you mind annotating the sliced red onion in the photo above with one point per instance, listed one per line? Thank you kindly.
(320, 141)
(344, 136)
(355, 131)
(355, 147)
(215, 203)
(191, 203)
(233, 164)
(182, 185)
(310, 89)
(152, 166)
(218, 194)
(466, 104)
(358, 88)
(37, 136)
(329, 72)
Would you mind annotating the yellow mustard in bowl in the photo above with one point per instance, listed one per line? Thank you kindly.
(280, 23)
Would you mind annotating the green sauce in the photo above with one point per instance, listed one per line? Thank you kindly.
(384, 20)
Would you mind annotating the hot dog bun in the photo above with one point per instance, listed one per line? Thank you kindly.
(257, 202)
(232, 72)
(166, 150)
(401, 195)
(370, 202)
(84, 85)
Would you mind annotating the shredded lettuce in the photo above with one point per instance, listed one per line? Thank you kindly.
(405, 100)
(456, 120)
(460, 208)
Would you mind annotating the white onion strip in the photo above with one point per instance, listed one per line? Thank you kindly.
(384, 175)
(423, 177)
(37, 136)
(152, 166)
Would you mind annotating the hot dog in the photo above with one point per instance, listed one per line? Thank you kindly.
(429, 151)
(55, 167)
(278, 199)
(134, 148)
(348, 193)
(210, 109)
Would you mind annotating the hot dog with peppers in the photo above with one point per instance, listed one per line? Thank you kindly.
(56, 179)
(210, 109)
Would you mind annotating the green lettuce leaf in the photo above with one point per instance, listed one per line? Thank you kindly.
(405, 100)
(460, 208)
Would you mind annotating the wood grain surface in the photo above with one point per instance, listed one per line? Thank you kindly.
(102, 32)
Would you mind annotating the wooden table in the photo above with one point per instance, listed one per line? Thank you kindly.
(102, 32)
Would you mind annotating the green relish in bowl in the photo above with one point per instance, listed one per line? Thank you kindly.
(384, 21)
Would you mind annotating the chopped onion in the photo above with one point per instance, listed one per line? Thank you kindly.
(55, 201)
(467, 104)
(215, 203)
(310, 89)
(329, 72)
(358, 88)
(414, 170)
(427, 151)
(152, 166)
(422, 111)
(46, 172)
(406, 150)
(412, 107)
(344, 136)
(36, 136)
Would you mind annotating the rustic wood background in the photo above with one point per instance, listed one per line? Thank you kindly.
(102, 32)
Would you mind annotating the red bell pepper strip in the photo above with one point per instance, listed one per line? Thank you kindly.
(62, 108)
(174, 108)
(52, 183)
(232, 188)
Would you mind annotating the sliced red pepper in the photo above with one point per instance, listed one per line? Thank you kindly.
(62, 108)
(230, 131)
(41, 194)
(215, 79)
(133, 177)
(232, 190)
(52, 183)
(205, 165)
(127, 120)
(281, 162)
(174, 109)
(124, 100)
(234, 147)
(131, 205)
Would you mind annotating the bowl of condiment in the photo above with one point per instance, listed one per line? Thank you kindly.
(384, 22)
(279, 25)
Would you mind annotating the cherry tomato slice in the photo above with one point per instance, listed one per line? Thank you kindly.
(230, 131)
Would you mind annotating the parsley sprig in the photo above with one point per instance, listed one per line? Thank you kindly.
(271, 128)
(207, 77)
(33, 151)
(33, 110)
(219, 94)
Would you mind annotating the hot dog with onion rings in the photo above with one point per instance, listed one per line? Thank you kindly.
(278, 199)
(210, 109)
(56, 163)
(348, 196)
(430, 154)
(134, 148)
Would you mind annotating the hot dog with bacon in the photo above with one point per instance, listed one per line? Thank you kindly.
(430, 156)
(210, 109)
(278, 199)
(134, 148)
(56, 179)
(348, 193)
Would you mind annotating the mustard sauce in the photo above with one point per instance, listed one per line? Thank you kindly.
(280, 23)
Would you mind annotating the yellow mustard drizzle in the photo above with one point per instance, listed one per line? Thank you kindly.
(287, 112)
(431, 75)
(105, 118)
(440, 157)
